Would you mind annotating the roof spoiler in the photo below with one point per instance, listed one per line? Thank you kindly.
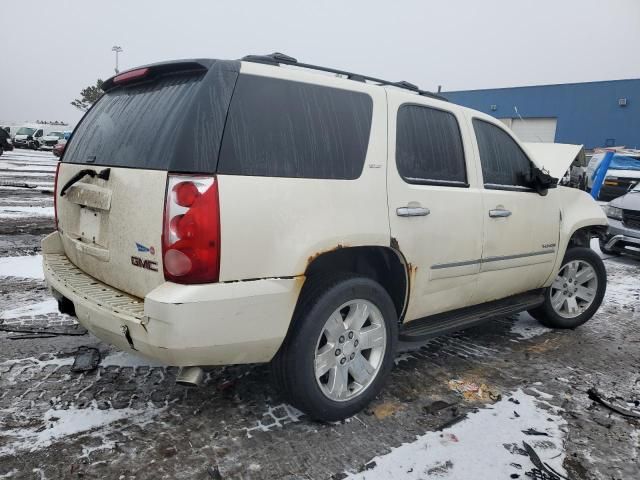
(154, 70)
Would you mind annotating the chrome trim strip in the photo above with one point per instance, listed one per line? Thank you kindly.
(492, 259)
(519, 255)
(455, 264)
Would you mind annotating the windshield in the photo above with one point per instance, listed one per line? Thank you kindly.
(26, 131)
(56, 134)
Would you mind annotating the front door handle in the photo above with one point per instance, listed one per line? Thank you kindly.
(499, 212)
(412, 211)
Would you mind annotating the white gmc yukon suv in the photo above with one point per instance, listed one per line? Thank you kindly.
(221, 212)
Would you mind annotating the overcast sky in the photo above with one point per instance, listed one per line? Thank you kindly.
(54, 48)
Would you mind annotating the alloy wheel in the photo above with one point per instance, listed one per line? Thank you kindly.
(350, 350)
(574, 289)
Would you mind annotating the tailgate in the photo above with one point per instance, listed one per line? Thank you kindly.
(162, 118)
(112, 229)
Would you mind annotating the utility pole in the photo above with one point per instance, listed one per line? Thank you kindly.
(117, 49)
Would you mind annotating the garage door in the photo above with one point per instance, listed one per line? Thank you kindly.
(535, 129)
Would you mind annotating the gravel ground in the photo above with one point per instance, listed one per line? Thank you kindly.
(128, 419)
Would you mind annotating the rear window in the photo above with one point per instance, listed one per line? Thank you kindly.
(282, 128)
(137, 126)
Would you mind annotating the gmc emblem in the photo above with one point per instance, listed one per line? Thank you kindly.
(146, 264)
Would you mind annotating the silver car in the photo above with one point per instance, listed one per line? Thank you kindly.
(623, 234)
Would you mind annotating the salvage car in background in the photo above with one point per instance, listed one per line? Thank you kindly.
(623, 173)
(311, 227)
(51, 139)
(623, 235)
(29, 136)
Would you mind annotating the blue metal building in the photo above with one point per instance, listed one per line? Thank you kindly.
(595, 114)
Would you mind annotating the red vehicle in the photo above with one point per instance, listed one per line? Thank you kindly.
(58, 148)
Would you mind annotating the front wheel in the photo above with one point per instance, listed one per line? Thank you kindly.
(576, 293)
(340, 348)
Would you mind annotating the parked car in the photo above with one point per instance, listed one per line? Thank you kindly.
(29, 136)
(51, 139)
(5, 141)
(318, 221)
(623, 173)
(58, 148)
(623, 235)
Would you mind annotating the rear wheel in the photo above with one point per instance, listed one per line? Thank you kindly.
(340, 348)
(576, 293)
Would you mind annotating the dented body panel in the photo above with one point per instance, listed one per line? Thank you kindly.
(213, 324)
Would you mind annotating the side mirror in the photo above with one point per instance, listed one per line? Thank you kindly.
(541, 181)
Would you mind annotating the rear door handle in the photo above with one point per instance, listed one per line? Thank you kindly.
(412, 211)
(499, 212)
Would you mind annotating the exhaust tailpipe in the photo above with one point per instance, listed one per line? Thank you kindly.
(190, 376)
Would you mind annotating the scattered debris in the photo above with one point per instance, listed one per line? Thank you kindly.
(386, 409)
(52, 331)
(474, 391)
(596, 396)
(16, 184)
(451, 422)
(87, 359)
(435, 407)
(531, 431)
(542, 467)
(214, 472)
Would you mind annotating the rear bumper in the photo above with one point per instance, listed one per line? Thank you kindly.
(182, 325)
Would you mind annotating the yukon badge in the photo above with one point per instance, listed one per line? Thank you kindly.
(146, 264)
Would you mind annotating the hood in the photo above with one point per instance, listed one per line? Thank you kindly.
(51, 137)
(556, 158)
(630, 201)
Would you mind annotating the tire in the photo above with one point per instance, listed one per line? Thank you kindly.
(604, 249)
(587, 295)
(339, 297)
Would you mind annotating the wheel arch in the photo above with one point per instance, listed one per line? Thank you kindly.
(385, 265)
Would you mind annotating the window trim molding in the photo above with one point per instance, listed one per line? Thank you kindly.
(499, 186)
(428, 181)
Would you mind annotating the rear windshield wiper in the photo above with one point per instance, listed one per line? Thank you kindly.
(103, 174)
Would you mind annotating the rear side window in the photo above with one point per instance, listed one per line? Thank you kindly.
(429, 147)
(504, 164)
(282, 128)
(136, 126)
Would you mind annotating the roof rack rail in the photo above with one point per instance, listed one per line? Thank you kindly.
(278, 59)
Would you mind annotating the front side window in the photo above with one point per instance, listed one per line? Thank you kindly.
(283, 128)
(504, 164)
(429, 147)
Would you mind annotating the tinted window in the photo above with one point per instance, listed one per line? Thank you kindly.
(429, 146)
(503, 161)
(282, 128)
(134, 126)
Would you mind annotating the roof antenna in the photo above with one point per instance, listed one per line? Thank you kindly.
(522, 120)
(439, 88)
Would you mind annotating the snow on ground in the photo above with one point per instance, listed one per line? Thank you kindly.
(125, 359)
(59, 424)
(29, 266)
(42, 308)
(487, 444)
(527, 327)
(17, 211)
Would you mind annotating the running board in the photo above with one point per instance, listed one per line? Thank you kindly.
(434, 325)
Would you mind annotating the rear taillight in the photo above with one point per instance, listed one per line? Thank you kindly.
(55, 195)
(191, 234)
